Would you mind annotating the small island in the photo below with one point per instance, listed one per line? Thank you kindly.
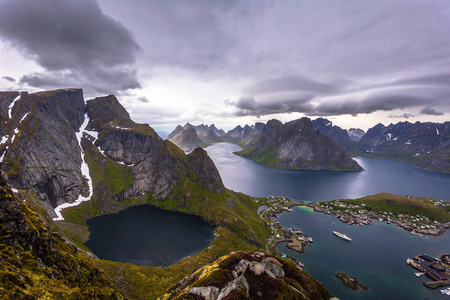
(419, 215)
(351, 282)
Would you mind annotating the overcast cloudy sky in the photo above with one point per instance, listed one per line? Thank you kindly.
(231, 62)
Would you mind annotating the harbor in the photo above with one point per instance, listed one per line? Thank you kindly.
(360, 214)
(436, 269)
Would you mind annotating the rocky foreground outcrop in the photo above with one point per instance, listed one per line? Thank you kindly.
(37, 263)
(248, 275)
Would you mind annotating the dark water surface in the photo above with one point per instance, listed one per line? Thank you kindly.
(380, 175)
(377, 254)
(148, 235)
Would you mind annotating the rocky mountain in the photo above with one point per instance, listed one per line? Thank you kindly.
(190, 137)
(355, 134)
(64, 149)
(248, 275)
(186, 138)
(424, 144)
(209, 134)
(244, 135)
(297, 145)
(336, 133)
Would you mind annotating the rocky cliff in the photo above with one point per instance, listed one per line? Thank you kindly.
(39, 148)
(58, 146)
(297, 145)
(248, 275)
(424, 144)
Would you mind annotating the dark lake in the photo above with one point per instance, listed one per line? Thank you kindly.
(148, 235)
(377, 254)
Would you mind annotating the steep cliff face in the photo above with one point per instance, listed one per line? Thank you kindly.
(36, 263)
(423, 144)
(297, 145)
(157, 165)
(336, 133)
(186, 138)
(39, 147)
(52, 143)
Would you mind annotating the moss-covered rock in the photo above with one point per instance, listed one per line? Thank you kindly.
(37, 263)
(248, 275)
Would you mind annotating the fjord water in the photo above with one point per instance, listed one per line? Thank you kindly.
(380, 175)
(377, 254)
(148, 235)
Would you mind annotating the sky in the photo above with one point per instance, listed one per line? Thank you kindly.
(236, 62)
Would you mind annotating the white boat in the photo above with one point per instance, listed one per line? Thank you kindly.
(343, 236)
(446, 291)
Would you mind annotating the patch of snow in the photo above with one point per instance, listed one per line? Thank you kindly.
(389, 136)
(437, 131)
(11, 106)
(408, 142)
(4, 139)
(15, 190)
(394, 139)
(92, 133)
(3, 155)
(124, 128)
(23, 118)
(84, 173)
(416, 154)
(328, 123)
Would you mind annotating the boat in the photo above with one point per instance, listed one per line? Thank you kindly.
(446, 291)
(343, 236)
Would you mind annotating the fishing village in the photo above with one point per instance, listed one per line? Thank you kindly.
(361, 214)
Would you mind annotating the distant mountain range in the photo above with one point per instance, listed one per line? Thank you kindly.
(294, 145)
(422, 144)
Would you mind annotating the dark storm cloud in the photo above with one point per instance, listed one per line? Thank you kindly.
(290, 83)
(73, 38)
(9, 78)
(403, 116)
(389, 99)
(249, 106)
(143, 100)
(431, 111)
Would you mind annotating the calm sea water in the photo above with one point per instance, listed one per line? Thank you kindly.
(148, 235)
(380, 175)
(377, 254)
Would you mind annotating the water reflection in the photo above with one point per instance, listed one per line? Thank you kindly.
(380, 175)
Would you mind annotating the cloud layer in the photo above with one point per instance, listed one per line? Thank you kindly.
(74, 41)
